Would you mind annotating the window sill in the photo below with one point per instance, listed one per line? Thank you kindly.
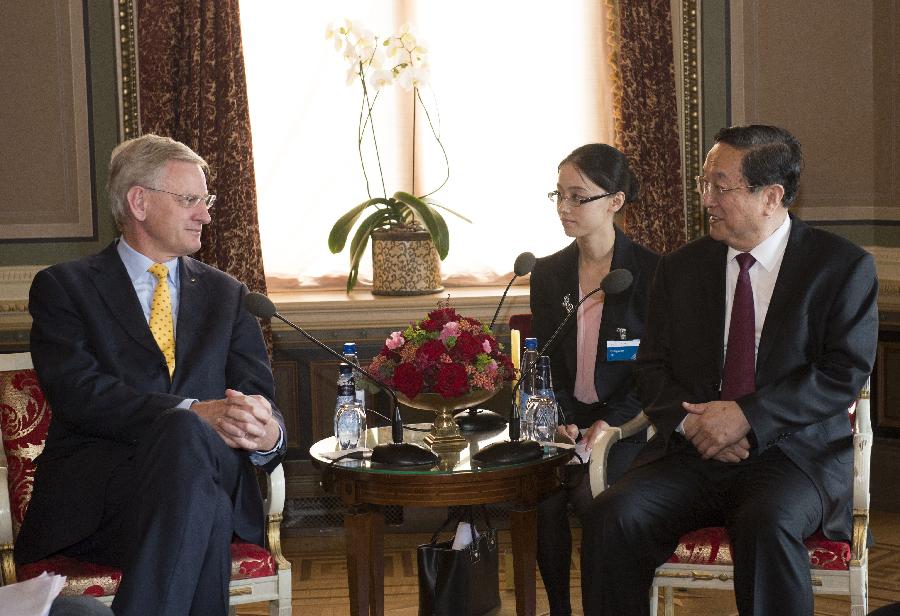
(328, 309)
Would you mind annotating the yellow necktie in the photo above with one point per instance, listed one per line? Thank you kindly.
(161, 325)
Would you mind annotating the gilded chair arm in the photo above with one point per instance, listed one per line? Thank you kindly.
(7, 568)
(275, 491)
(862, 452)
(274, 507)
(603, 442)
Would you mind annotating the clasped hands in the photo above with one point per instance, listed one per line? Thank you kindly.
(718, 430)
(243, 422)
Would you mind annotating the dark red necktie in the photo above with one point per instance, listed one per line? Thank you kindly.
(740, 356)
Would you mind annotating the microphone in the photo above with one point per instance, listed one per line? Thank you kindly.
(523, 265)
(515, 451)
(480, 420)
(397, 453)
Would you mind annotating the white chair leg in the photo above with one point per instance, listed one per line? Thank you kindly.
(670, 601)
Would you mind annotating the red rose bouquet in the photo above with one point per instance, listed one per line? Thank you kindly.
(444, 353)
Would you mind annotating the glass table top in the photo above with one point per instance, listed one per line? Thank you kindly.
(327, 452)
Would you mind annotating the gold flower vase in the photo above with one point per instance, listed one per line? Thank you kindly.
(444, 435)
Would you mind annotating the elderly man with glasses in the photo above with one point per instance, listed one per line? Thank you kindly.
(162, 397)
(757, 340)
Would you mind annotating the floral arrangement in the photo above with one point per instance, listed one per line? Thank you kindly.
(377, 64)
(444, 353)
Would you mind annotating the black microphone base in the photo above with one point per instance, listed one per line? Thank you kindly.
(508, 452)
(403, 454)
(479, 420)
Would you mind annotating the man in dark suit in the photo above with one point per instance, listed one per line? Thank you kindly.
(162, 398)
(758, 339)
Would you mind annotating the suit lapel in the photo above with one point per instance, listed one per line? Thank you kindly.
(710, 272)
(615, 306)
(569, 287)
(110, 278)
(794, 270)
(193, 300)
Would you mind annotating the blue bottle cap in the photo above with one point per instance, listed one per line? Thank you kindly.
(349, 348)
(531, 344)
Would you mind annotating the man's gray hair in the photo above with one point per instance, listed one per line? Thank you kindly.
(139, 162)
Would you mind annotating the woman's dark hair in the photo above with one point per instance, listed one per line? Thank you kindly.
(771, 156)
(605, 166)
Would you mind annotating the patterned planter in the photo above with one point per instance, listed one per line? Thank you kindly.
(404, 262)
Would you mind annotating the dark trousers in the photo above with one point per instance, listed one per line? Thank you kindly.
(554, 546)
(767, 504)
(170, 520)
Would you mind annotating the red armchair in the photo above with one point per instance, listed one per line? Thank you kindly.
(257, 574)
(703, 557)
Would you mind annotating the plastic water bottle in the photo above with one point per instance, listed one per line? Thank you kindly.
(349, 416)
(353, 359)
(542, 408)
(526, 389)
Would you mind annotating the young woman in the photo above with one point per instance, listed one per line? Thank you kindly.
(593, 384)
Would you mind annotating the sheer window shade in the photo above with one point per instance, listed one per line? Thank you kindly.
(514, 94)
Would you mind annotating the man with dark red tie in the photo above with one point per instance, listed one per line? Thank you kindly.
(758, 338)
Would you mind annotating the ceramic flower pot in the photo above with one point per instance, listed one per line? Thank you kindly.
(404, 262)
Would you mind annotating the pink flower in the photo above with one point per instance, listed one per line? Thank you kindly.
(395, 341)
(486, 346)
(450, 329)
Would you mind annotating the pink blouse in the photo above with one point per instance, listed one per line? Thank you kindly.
(588, 335)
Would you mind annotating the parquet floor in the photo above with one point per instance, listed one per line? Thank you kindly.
(320, 583)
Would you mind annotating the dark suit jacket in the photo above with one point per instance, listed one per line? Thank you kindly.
(816, 349)
(556, 276)
(106, 381)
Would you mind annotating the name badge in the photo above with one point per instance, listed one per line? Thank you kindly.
(622, 350)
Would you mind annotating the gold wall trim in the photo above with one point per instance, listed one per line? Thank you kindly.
(691, 122)
(125, 19)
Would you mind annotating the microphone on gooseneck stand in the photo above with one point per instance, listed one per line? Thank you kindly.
(516, 451)
(523, 265)
(397, 453)
(480, 420)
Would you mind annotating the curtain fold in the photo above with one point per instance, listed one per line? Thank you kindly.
(646, 118)
(193, 89)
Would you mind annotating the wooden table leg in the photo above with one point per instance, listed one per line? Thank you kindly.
(523, 527)
(364, 534)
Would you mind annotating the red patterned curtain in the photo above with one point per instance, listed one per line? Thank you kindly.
(193, 89)
(647, 121)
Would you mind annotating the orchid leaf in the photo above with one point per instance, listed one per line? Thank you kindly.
(434, 203)
(337, 238)
(360, 242)
(432, 220)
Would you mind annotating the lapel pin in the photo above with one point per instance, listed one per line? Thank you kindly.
(567, 303)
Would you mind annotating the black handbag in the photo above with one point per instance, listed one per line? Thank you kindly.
(462, 582)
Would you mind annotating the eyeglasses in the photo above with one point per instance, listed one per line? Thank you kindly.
(572, 201)
(187, 201)
(704, 186)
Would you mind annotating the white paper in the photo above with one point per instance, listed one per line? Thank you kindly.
(31, 597)
(463, 536)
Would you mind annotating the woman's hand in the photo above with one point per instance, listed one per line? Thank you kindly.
(569, 431)
(593, 432)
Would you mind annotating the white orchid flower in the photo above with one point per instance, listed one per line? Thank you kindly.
(380, 79)
(413, 77)
(352, 74)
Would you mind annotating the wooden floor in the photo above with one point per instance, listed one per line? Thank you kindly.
(320, 583)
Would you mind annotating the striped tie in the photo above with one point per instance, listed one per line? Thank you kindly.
(161, 325)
